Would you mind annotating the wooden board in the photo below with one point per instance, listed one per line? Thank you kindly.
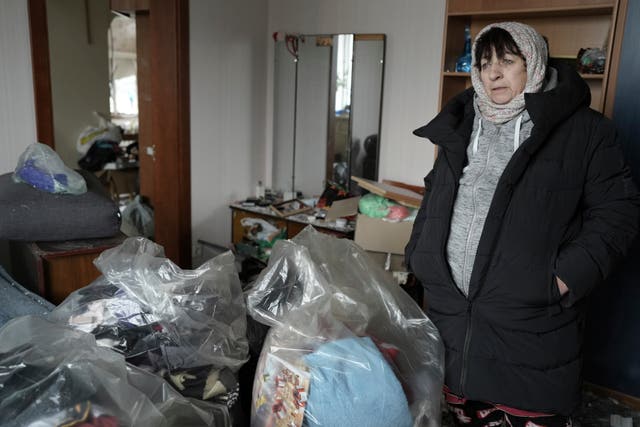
(401, 195)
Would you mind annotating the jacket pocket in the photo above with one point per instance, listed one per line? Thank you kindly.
(553, 292)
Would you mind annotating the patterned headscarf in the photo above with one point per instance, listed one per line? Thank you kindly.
(534, 50)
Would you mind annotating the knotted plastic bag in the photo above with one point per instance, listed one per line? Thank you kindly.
(138, 219)
(42, 168)
(347, 346)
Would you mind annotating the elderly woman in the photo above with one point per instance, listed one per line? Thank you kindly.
(527, 208)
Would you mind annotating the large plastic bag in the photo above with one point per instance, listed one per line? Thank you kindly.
(42, 168)
(347, 346)
(52, 375)
(159, 315)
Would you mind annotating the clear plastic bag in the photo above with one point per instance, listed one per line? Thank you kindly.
(53, 375)
(347, 346)
(159, 315)
(42, 168)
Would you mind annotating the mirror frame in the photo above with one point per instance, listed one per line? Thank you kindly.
(331, 112)
(330, 142)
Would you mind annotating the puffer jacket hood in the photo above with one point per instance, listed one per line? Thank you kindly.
(546, 109)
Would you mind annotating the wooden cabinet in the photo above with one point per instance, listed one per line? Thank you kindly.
(55, 269)
(568, 25)
(293, 224)
(237, 215)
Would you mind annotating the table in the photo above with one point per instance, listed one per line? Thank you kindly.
(293, 224)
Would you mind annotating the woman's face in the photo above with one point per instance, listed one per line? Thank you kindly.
(503, 79)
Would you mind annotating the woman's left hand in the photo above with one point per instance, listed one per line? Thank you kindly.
(562, 287)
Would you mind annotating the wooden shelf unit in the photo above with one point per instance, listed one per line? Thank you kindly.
(568, 25)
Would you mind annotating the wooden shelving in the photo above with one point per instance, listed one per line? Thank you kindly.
(467, 75)
(568, 25)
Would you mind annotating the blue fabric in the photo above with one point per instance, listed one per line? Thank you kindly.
(16, 301)
(353, 385)
(39, 179)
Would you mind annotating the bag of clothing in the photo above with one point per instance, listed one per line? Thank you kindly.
(99, 154)
(42, 168)
(52, 375)
(186, 325)
(347, 346)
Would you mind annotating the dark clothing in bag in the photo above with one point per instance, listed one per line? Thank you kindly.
(564, 206)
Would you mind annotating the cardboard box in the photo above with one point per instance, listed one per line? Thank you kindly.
(120, 182)
(398, 191)
(396, 261)
(376, 235)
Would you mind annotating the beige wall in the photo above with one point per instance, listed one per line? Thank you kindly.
(228, 44)
(79, 69)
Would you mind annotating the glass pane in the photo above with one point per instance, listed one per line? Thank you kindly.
(365, 120)
(311, 124)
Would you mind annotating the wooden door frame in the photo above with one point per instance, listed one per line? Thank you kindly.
(170, 114)
(39, 32)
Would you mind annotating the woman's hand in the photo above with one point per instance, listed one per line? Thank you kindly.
(562, 287)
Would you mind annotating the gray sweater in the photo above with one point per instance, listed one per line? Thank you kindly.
(489, 151)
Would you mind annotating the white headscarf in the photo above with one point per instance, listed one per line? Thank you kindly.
(534, 49)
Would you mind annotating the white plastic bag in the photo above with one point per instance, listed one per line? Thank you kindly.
(347, 346)
(104, 131)
(42, 168)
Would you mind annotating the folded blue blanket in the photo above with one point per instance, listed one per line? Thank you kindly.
(353, 385)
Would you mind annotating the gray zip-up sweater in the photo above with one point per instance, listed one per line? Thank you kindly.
(489, 151)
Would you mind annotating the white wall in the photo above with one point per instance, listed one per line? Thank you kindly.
(228, 43)
(79, 64)
(17, 111)
(414, 31)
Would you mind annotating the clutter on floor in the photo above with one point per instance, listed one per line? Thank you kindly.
(187, 326)
(326, 337)
(55, 376)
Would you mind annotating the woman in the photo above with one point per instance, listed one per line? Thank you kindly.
(528, 206)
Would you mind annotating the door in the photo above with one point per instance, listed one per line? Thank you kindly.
(163, 78)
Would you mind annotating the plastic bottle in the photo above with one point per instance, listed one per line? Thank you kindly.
(259, 190)
(464, 62)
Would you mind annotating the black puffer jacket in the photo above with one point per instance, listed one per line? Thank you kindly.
(564, 206)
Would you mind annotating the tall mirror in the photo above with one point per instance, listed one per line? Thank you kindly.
(327, 109)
